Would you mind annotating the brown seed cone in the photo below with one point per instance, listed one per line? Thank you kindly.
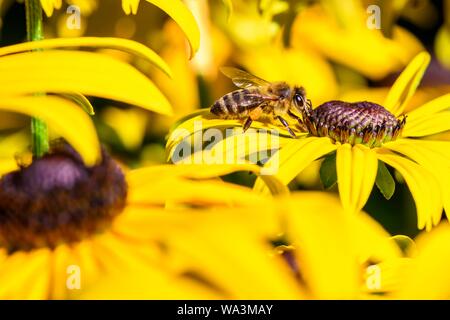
(58, 200)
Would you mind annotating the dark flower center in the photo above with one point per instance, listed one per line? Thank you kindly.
(356, 123)
(58, 200)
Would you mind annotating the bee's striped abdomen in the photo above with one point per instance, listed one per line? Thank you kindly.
(236, 104)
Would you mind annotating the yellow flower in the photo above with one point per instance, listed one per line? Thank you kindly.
(65, 226)
(423, 163)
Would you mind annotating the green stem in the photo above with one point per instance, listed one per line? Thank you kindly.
(39, 130)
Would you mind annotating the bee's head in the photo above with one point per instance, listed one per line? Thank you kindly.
(299, 100)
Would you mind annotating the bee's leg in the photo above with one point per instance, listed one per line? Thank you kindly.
(300, 121)
(286, 125)
(247, 123)
(293, 116)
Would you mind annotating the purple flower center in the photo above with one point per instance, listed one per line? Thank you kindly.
(365, 123)
(58, 200)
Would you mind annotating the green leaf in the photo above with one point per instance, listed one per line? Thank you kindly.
(328, 173)
(384, 181)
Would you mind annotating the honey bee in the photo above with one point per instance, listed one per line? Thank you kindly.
(257, 98)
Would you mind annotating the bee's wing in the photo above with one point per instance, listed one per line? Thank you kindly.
(243, 79)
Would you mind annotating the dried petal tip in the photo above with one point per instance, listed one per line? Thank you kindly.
(58, 200)
(364, 123)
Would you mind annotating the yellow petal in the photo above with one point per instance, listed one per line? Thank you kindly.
(14, 148)
(179, 12)
(428, 125)
(373, 242)
(437, 163)
(203, 119)
(296, 156)
(130, 6)
(356, 172)
(140, 177)
(7, 165)
(423, 186)
(129, 46)
(85, 72)
(140, 222)
(19, 272)
(393, 274)
(231, 146)
(80, 100)
(204, 193)
(49, 5)
(239, 265)
(62, 115)
(149, 283)
(428, 277)
(436, 146)
(229, 5)
(430, 108)
(320, 230)
(406, 84)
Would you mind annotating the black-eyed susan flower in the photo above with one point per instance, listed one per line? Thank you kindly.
(65, 225)
(365, 135)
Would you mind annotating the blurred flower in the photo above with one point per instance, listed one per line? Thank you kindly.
(442, 41)
(61, 220)
(282, 259)
(13, 146)
(248, 28)
(423, 163)
(129, 125)
(339, 31)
